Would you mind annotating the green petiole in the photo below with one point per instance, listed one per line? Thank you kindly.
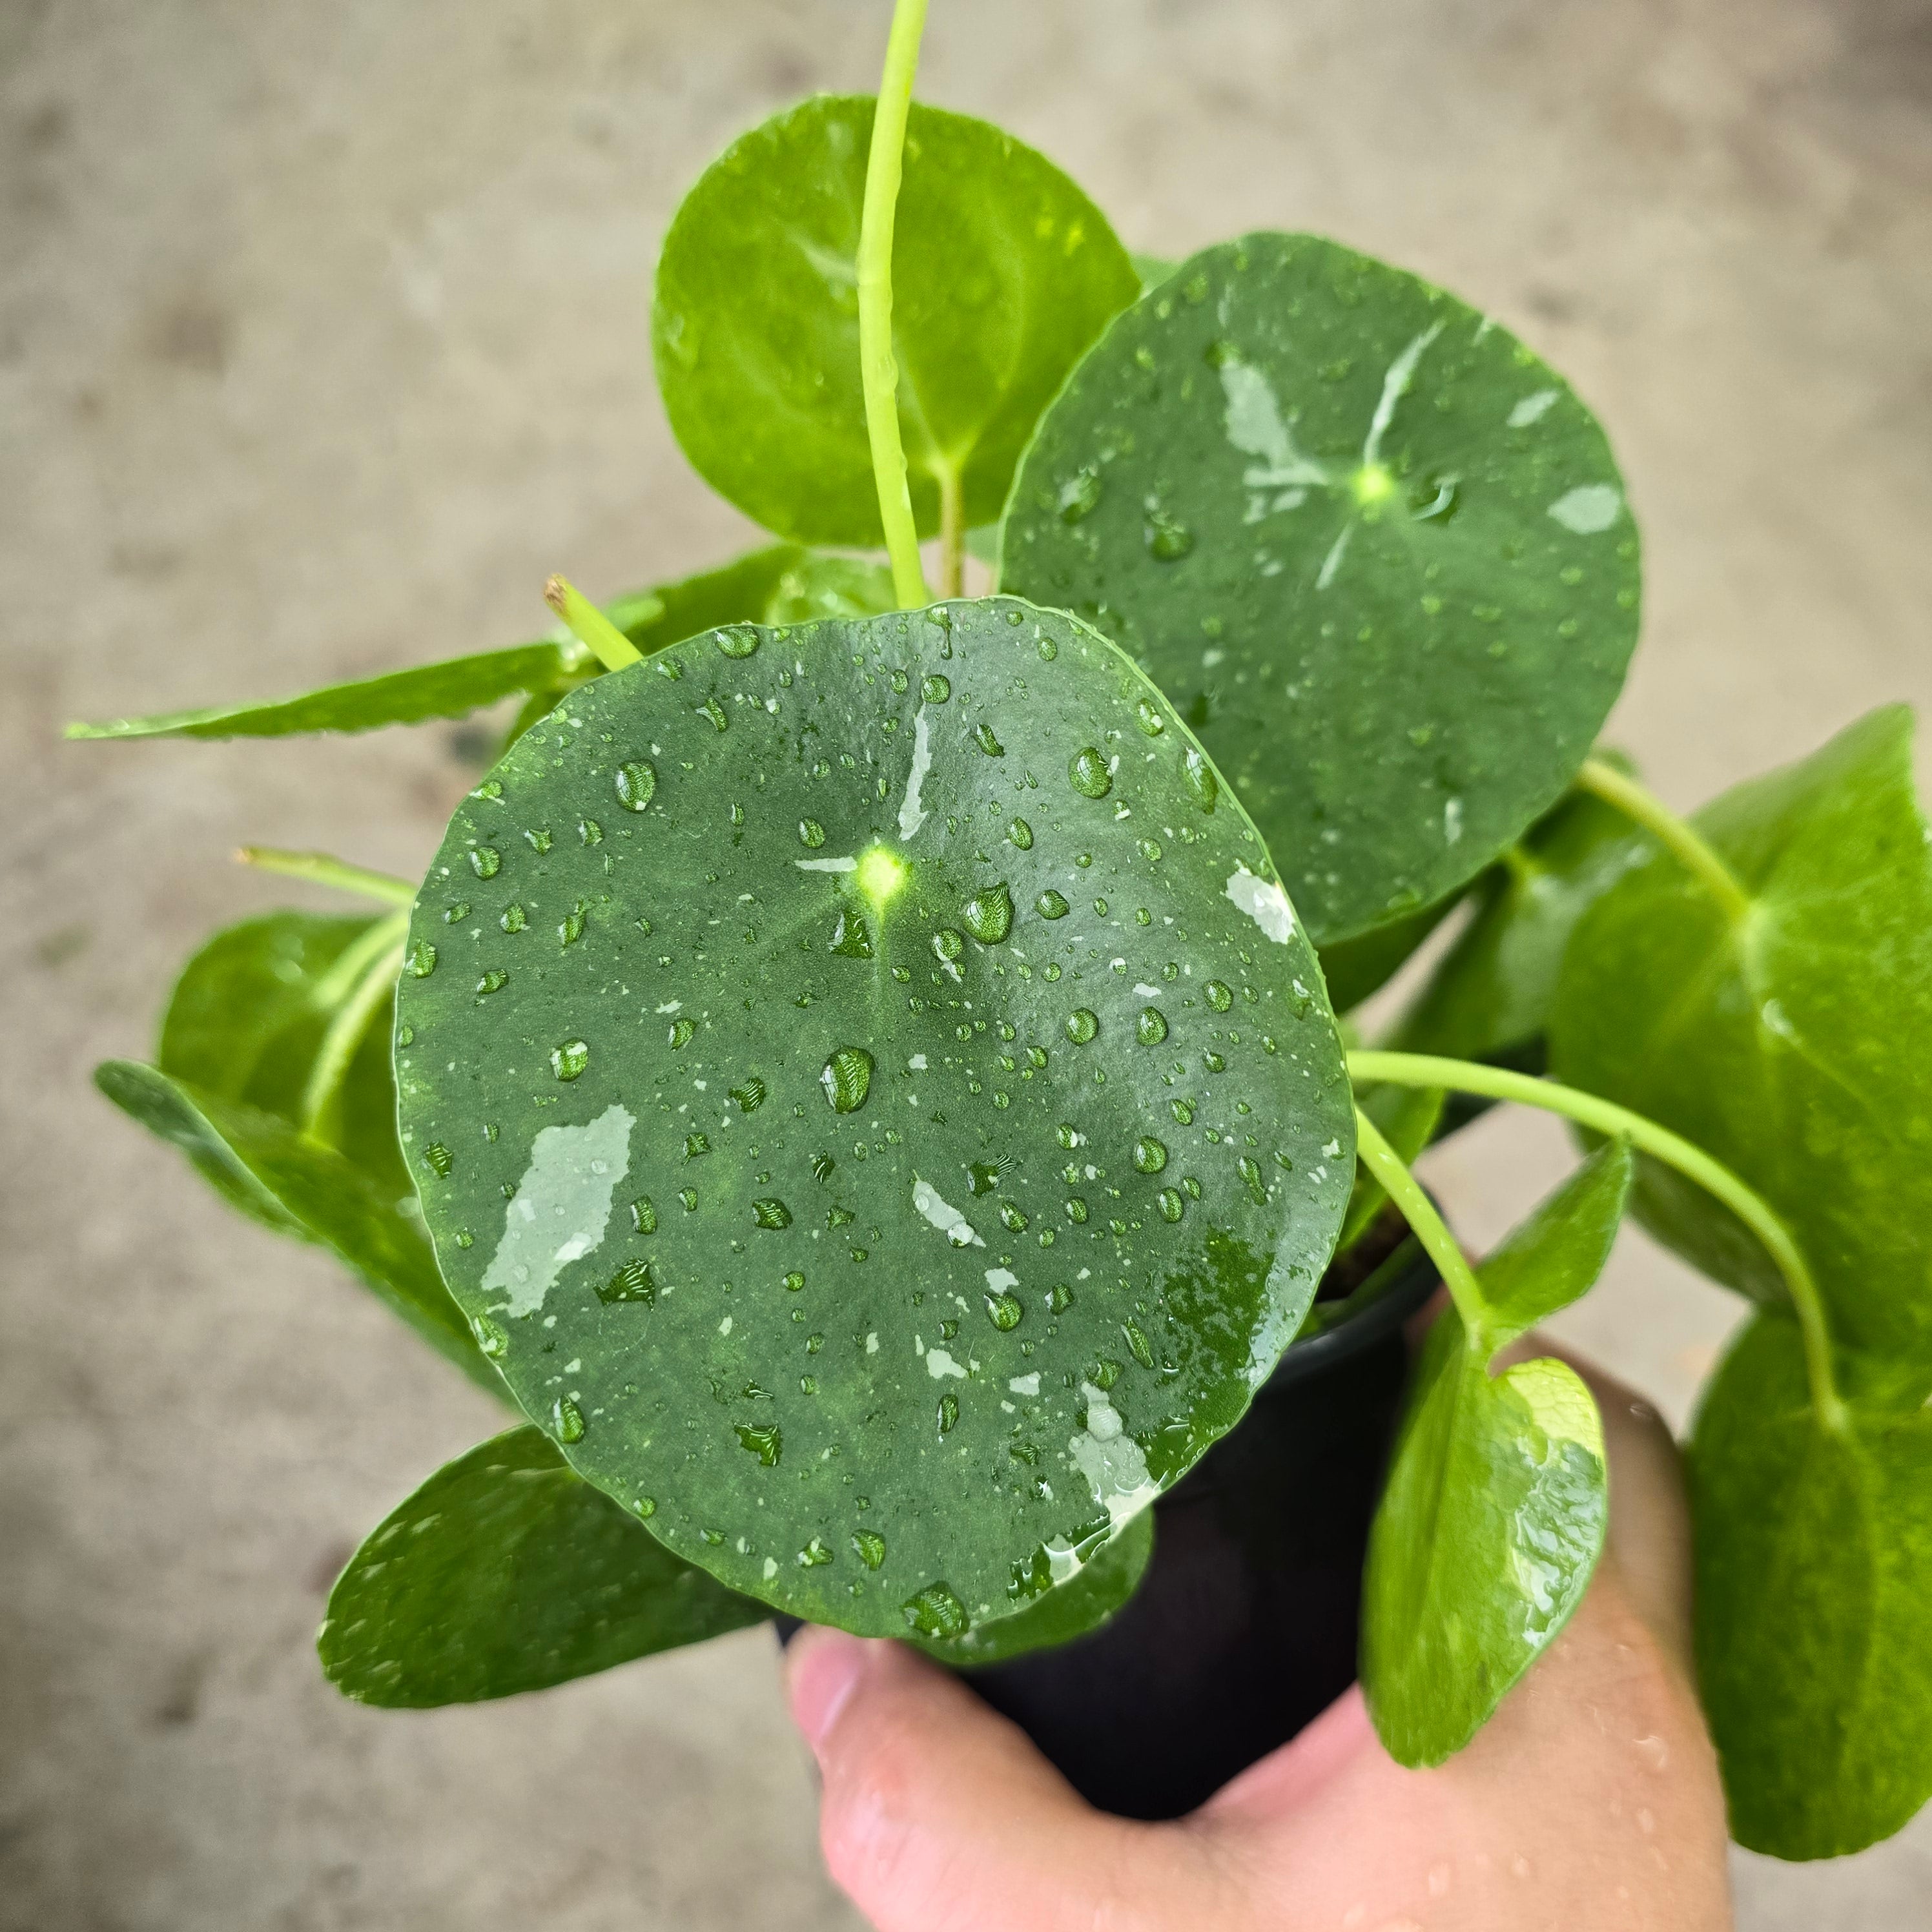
(378, 957)
(1606, 1116)
(1675, 834)
(878, 367)
(588, 625)
(1401, 1187)
(321, 870)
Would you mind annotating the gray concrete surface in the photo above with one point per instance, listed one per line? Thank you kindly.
(322, 341)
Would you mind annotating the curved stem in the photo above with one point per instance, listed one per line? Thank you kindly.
(1419, 1211)
(878, 368)
(351, 1021)
(1675, 834)
(321, 870)
(1606, 1116)
(588, 625)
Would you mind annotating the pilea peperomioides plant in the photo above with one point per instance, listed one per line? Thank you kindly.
(859, 1075)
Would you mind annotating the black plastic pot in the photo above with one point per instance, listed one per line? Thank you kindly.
(1242, 1630)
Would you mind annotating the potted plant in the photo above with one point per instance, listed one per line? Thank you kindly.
(862, 1075)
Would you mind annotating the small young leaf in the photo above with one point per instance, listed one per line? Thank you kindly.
(1813, 1572)
(1791, 1043)
(1003, 273)
(1375, 550)
(741, 591)
(261, 1165)
(1490, 996)
(1085, 1602)
(996, 1220)
(829, 586)
(1494, 1513)
(507, 1572)
(452, 689)
(249, 1012)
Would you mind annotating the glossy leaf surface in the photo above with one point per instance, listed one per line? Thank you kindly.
(1496, 1504)
(261, 1165)
(507, 1572)
(1086, 1602)
(1813, 1573)
(1490, 994)
(917, 1090)
(1794, 1044)
(1002, 274)
(452, 689)
(1375, 551)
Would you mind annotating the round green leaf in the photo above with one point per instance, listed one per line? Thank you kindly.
(1794, 1043)
(506, 1572)
(1374, 549)
(1813, 1570)
(1002, 274)
(897, 1147)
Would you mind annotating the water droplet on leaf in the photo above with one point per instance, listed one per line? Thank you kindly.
(848, 1078)
(636, 783)
(1089, 775)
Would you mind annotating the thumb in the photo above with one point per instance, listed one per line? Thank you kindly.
(939, 1814)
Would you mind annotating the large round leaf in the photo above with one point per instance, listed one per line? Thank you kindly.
(1002, 274)
(1375, 549)
(881, 1106)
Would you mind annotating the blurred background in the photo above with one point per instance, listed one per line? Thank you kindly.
(322, 340)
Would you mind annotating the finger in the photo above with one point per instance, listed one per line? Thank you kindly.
(939, 1814)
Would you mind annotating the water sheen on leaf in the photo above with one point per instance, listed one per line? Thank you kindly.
(1085, 1602)
(1495, 1506)
(1813, 1554)
(1792, 1043)
(507, 1572)
(1003, 273)
(1374, 549)
(947, 1152)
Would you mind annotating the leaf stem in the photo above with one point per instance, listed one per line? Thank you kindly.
(952, 532)
(1677, 835)
(351, 1021)
(1419, 1211)
(878, 367)
(321, 870)
(588, 625)
(1606, 1116)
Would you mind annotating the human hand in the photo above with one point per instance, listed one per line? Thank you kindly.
(1590, 1800)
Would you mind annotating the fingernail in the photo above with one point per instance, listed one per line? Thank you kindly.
(824, 1669)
